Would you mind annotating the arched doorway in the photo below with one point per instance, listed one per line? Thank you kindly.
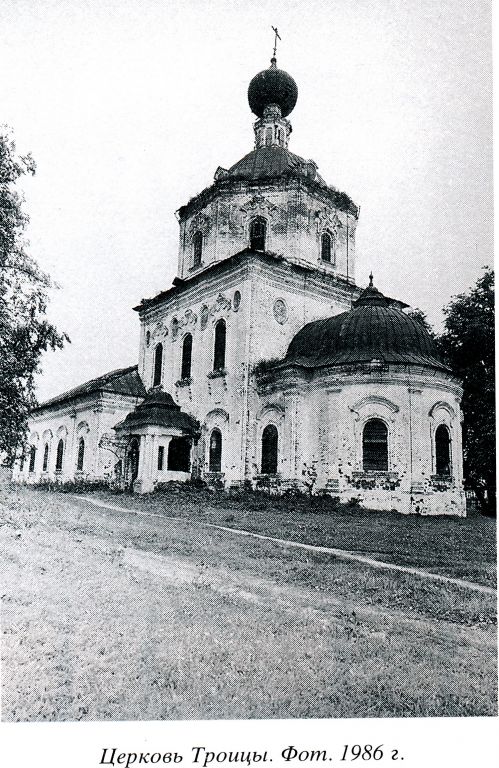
(132, 465)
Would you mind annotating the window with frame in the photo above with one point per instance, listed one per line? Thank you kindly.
(327, 247)
(375, 446)
(45, 458)
(161, 457)
(219, 346)
(32, 458)
(442, 451)
(59, 455)
(81, 455)
(270, 440)
(215, 451)
(158, 365)
(258, 234)
(197, 248)
(185, 372)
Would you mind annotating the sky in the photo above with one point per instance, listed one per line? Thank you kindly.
(129, 106)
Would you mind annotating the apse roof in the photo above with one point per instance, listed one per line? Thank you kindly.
(374, 330)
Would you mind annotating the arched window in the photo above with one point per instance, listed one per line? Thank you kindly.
(268, 137)
(45, 458)
(269, 450)
(32, 458)
(197, 248)
(161, 457)
(219, 349)
(179, 454)
(257, 233)
(326, 247)
(442, 451)
(215, 458)
(148, 338)
(375, 446)
(158, 365)
(60, 455)
(81, 454)
(186, 357)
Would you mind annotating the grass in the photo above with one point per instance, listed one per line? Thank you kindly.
(110, 616)
(454, 546)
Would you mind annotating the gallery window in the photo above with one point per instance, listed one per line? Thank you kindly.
(158, 365)
(442, 450)
(375, 446)
(81, 455)
(269, 450)
(59, 455)
(197, 248)
(215, 456)
(32, 458)
(219, 347)
(186, 357)
(257, 233)
(45, 458)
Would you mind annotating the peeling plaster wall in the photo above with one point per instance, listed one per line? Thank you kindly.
(90, 418)
(295, 216)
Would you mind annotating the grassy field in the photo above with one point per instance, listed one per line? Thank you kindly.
(107, 615)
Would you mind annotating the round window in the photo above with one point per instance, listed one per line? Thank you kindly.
(236, 302)
(280, 311)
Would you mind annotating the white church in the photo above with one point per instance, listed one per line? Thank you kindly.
(264, 365)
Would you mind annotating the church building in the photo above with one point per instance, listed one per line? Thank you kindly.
(264, 365)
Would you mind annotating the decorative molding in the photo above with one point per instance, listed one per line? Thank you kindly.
(216, 417)
(444, 406)
(327, 221)
(374, 400)
(220, 306)
(199, 223)
(257, 206)
(269, 410)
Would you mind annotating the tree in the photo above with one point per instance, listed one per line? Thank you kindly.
(468, 346)
(24, 331)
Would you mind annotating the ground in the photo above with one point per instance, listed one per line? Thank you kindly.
(109, 614)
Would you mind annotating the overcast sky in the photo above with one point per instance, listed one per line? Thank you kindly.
(128, 107)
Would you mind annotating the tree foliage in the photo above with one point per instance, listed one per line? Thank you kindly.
(24, 330)
(468, 346)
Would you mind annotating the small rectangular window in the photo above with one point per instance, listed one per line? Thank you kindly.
(161, 457)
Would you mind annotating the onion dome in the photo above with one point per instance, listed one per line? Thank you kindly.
(158, 409)
(272, 86)
(374, 331)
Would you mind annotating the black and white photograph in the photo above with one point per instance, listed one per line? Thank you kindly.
(247, 372)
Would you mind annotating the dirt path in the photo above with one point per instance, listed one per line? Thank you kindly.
(340, 553)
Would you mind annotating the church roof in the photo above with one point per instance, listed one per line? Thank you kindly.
(375, 329)
(221, 267)
(158, 409)
(271, 162)
(123, 381)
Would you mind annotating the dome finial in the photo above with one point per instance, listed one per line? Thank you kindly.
(273, 60)
(371, 278)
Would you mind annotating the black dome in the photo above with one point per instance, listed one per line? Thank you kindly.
(272, 86)
(372, 331)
